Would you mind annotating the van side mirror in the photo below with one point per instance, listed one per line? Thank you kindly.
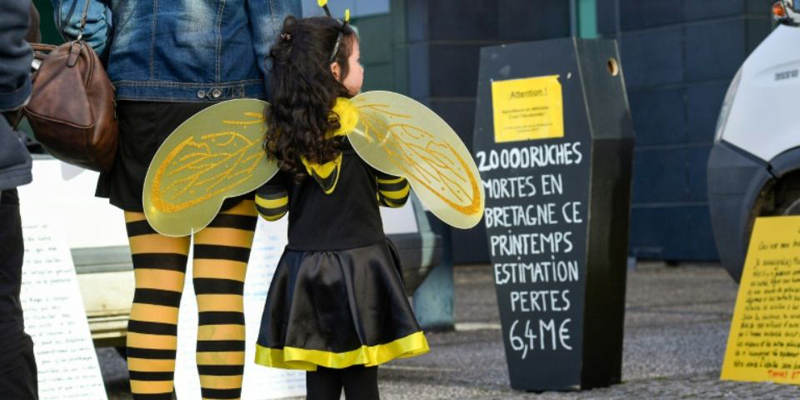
(786, 12)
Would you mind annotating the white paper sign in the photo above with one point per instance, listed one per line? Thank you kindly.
(399, 220)
(67, 193)
(260, 383)
(55, 317)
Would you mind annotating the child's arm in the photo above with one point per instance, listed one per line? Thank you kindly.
(392, 191)
(272, 199)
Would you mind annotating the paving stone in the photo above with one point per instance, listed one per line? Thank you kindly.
(676, 328)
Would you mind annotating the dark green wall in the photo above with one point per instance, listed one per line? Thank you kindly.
(384, 49)
(47, 24)
(679, 57)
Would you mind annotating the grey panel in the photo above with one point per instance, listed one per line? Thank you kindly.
(519, 21)
(653, 57)
(453, 112)
(720, 61)
(102, 259)
(607, 21)
(660, 175)
(462, 20)
(375, 36)
(702, 109)
(637, 14)
(371, 7)
(419, 70)
(454, 69)
(659, 232)
(358, 8)
(697, 163)
(378, 77)
(734, 183)
(659, 116)
(705, 9)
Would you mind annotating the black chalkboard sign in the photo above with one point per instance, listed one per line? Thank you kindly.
(554, 143)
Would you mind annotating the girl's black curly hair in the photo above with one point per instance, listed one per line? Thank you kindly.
(303, 91)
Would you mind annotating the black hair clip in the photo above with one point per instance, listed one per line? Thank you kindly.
(324, 5)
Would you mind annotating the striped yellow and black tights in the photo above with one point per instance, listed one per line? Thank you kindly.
(221, 252)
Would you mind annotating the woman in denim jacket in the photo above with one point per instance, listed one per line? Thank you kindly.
(168, 60)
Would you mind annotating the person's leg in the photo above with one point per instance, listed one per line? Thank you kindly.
(360, 383)
(18, 378)
(18, 375)
(323, 384)
(221, 252)
(159, 265)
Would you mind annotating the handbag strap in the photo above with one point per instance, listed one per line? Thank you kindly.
(83, 20)
(84, 17)
(72, 59)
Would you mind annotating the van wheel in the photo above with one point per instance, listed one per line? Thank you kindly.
(787, 195)
(777, 198)
(789, 203)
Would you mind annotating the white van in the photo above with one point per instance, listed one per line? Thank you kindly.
(754, 167)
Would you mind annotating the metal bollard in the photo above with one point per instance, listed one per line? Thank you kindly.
(433, 299)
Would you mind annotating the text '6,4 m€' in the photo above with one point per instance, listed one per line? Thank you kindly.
(539, 335)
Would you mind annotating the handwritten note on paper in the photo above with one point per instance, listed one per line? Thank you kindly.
(55, 317)
(260, 383)
(764, 341)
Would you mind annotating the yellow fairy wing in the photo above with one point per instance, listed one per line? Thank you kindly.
(399, 136)
(214, 155)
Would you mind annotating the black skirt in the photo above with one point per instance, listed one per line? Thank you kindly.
(143, 127)
(337, 309)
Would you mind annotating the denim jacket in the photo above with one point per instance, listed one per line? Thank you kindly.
(15, 88)
(180, 50)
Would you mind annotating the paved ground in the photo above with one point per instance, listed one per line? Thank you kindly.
(676, 326)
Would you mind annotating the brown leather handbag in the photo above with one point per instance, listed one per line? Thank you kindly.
(71, 110)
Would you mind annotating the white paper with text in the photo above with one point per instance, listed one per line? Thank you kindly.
(55, 317)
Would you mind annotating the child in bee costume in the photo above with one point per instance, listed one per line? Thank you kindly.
(336, 306)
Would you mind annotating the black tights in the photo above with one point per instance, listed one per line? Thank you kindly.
(359, 382)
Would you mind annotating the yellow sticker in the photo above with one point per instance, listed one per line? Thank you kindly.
(528, 109)
(764, 341)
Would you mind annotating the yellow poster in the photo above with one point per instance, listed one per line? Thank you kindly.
(528, 109)
(764, 341)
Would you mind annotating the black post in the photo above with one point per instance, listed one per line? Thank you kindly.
(554, 143)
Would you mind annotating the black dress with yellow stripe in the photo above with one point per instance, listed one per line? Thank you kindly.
(337, 297)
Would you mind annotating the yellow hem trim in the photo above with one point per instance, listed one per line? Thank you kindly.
(370, 356)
